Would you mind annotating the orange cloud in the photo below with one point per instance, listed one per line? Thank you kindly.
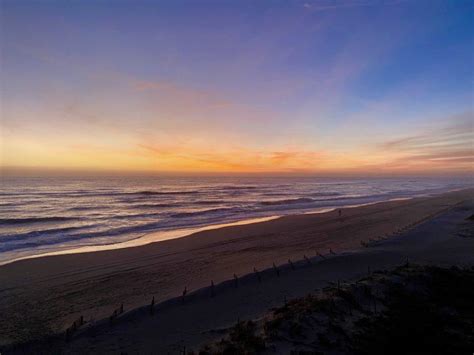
(241, 159)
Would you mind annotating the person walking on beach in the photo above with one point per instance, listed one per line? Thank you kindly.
(340, 213)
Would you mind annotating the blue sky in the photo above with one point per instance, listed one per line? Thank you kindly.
(257, 86)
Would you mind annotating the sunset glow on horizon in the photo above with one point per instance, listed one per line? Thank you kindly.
(238, 87)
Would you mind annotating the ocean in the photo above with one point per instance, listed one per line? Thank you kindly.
(45, 215)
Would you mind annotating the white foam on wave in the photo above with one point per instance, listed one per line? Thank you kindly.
(142, 240)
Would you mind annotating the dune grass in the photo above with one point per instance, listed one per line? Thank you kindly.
(410, 310)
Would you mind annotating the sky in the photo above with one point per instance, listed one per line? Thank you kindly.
(290, 87)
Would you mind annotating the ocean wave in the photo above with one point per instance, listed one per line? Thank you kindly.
(153, 205)
(205, 212)
(26, 245)
(232, 187)
(325, 194)
(132, 216)
(48, 193)
(87, 208)
(42, 233)
(64, 235)
(9, 204)
(207, 202)
(275, 194)
(86, 194)
(150, 192)
(175, 204)
(9, 221)
(287, 201)
(61, 236)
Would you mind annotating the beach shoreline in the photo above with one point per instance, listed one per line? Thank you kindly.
(147, 238)
(55, 290)
(160, 236)
(75, 216)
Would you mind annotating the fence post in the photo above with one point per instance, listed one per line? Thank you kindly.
(236, 281)
(212, 289)
(185, 291)
(276, 270)
(152, 305)
(291, 264)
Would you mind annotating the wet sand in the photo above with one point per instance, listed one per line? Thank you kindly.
(45, 295)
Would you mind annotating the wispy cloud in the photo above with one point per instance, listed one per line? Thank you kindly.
(459, 132)
(334, 5)
(449, 146)
(237, 158)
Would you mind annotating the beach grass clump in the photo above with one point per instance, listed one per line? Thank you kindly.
(412, 309)
(242, 339)
(432, 313)
(307, 321)
(348, 296)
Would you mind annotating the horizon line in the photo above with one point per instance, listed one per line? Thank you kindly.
(17, 171)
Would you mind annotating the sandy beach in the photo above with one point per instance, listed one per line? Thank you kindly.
(44, 296)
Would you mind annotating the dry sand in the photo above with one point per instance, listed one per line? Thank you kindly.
(47, 294)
